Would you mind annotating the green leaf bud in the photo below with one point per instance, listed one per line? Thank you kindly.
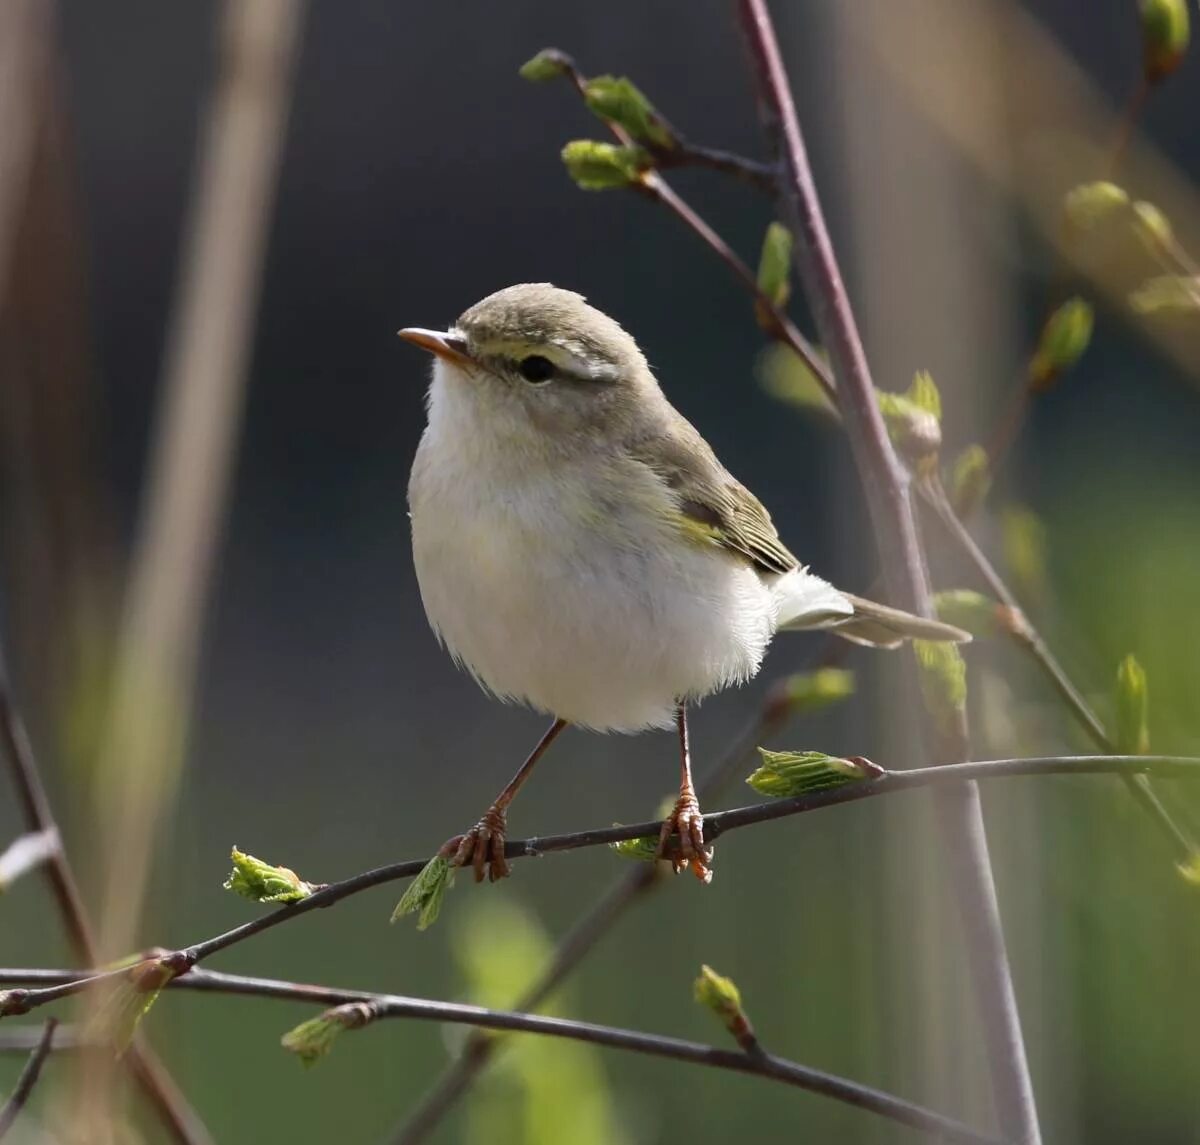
(1064, 338)
(617, 100)
(602, 166)
(1165, 34)
(1132, 730)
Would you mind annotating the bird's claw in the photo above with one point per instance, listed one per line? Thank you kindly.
(482, 847)
(687, 824)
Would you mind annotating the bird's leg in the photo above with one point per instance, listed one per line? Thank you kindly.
(686, 820)
(482, 847)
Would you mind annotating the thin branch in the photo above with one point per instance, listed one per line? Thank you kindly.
(587, 932)
(696, 1053)
(882, 782)
(26, 853)
(1027, 636)
(183, 1123)
(761, 176)
(886, 485)
(28, 1079)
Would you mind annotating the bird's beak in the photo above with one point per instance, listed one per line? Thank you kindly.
(445, 344)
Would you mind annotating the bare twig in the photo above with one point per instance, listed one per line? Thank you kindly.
(160, 1088)
(380, 1006)
(761, 176)
(886, 485)
(28, 1079)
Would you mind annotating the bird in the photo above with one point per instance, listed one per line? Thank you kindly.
(580, 549)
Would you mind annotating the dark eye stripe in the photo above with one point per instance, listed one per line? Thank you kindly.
(536, 368)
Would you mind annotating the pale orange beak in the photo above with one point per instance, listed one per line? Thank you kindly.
(452, 347)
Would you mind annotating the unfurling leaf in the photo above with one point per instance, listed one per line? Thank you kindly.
(923, 393)
(967, 609)
(547, 65)
(618, 100)
(1165, 34)
(253, 879)
(912, 419)
(1064, 338)
(788, 377)
(774, 271)
(644, 850)
(970, 479)
(1023, 537)
(312, 1040)
(810, 691)
(601, 166)
(1132, 732)
(1091, 205)
(786, 773)
(1177, 293)
(1153, 228)
(425, 893)
(943, 681)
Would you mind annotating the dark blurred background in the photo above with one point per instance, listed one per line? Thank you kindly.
(331, 734)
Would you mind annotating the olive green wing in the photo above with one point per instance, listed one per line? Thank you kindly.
(713, 505)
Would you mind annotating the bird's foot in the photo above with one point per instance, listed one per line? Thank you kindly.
(482, 847)
(688, 851)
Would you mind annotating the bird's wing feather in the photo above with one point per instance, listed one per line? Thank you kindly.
(711, 501)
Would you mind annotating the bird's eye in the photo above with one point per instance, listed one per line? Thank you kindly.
(536, 369)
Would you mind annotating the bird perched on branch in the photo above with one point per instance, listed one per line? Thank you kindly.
(580, 549)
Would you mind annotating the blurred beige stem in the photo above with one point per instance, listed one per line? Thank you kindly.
(208, 351)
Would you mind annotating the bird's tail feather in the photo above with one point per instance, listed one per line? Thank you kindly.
(864, 621)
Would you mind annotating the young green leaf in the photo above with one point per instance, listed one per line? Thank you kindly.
(786, 773)
(923, 393)
(312, 1040)
(1091, 205)
(721, 995)
(810, 691)
(617, 100)
(964, 608)
(786, 376)
(644, 850)
(1023, 538)
(602, 166)
(1064, 338)
(425, 893)
(913, 428)
(547, 65)
(970, 479)
(775, 265)
(253, 879)
(943, 676)
(1168, 293)
(1166, 31)
(1153, 228)
(1132, 732)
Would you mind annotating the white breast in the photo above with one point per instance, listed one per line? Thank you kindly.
(557, 591)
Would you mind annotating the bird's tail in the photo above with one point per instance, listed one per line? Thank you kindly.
(810, 603)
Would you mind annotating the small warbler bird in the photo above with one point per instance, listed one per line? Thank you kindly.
(579, 547)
